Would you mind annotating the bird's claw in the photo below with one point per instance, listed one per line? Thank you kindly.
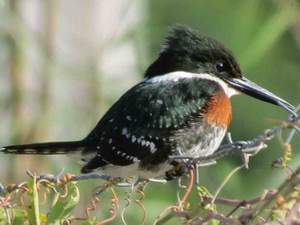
(180, 169)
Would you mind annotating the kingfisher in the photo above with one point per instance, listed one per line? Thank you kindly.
(181, 107)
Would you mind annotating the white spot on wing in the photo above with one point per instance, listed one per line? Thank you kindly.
(152, 147)
(147, 143)
(124, 131)
(159, 101)
(139, 140)
(135, 159)
(133, 138)
(104, 160)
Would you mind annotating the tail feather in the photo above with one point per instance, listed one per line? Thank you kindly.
(47, 148)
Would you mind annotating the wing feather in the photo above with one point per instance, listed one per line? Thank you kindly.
(144, 121)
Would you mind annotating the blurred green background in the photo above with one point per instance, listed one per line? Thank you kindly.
(64, 62)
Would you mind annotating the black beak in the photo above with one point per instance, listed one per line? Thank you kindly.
(249, 88)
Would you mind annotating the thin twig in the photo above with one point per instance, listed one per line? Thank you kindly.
(225, 181)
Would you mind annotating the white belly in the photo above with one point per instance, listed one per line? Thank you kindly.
(133, 170)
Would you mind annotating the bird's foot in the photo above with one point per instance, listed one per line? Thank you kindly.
(180, 169)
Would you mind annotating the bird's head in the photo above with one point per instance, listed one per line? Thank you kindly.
(187, 50)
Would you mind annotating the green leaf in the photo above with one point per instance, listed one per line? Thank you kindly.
(19, 217)
(214, 222)
(2, 215)
(33, 209)
(63, 206)
(203, 191)
(88, 222)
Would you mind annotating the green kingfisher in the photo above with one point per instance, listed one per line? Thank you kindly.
(181, 107)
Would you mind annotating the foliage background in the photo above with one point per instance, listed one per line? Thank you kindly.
(64, 62)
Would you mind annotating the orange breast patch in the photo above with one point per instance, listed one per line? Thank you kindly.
(218, 110)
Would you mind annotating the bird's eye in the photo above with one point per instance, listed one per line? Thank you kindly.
(221, 67)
